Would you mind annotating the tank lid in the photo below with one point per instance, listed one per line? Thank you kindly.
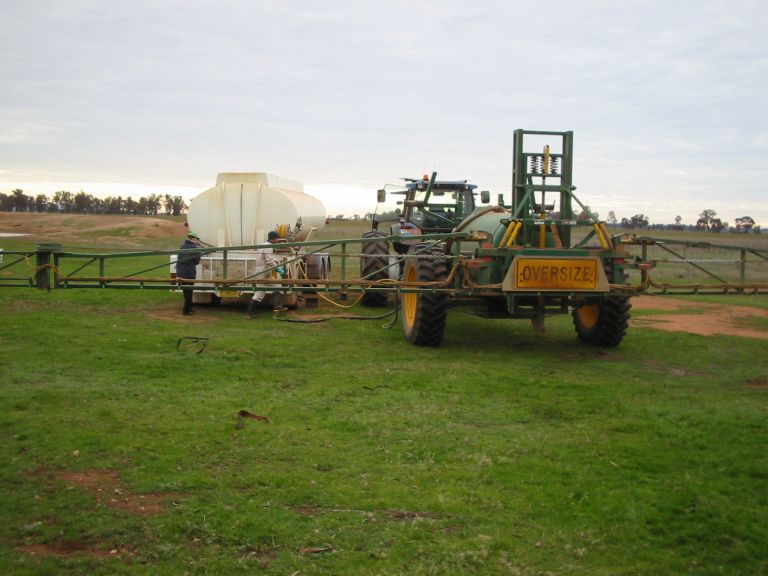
(263, 178)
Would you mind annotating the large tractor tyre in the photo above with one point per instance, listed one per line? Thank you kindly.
(373, 266)
(425, 313)
(602, 322)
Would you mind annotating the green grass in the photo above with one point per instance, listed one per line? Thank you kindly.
(521, 454)
(501, 452)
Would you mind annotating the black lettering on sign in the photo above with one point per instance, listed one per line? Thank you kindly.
(555, 274)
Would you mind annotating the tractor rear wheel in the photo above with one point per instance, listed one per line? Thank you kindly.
(373, 266)
(425, 313)
(602, 322)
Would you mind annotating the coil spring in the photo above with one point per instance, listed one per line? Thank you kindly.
(536, 164)
(554, 165)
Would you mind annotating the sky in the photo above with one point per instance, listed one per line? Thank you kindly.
(666, 99)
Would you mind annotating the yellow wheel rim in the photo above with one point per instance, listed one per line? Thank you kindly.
(588, 315)
(409, 300)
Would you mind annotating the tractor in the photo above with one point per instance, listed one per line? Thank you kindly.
(524, 259)
(429, 206)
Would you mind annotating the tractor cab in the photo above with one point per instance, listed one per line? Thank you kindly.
(428, 206)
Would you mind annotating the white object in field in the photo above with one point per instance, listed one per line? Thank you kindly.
(244, 207)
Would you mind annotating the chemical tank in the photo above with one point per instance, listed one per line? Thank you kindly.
(244, 207)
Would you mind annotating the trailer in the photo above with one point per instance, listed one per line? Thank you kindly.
(240, 210)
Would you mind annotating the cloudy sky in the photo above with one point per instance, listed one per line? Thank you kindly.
(667, 99)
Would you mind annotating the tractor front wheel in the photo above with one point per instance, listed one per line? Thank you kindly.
(425, 313)
(602, 322)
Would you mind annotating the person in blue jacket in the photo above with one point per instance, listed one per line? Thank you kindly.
(186, 270)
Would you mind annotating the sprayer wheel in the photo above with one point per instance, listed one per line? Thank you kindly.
(602, 322)
(425, 313)
(373, 266)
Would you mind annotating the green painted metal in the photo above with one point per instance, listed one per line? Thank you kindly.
(19, 269)
(530, 178)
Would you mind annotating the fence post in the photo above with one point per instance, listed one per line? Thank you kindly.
(743, 266)
(43, 261)
(343, 292)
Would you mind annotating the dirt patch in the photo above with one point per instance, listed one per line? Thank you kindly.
(175, 315)
(664, 303)
(106, 486)
(67, 548)
(63, 228)
(108, 489)
(760, 383)
(705, 319)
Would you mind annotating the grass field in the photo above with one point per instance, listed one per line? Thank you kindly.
(502, 452)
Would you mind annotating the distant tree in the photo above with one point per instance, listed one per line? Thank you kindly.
(130, 206)
(717, 225)
(152, 204)
(83, 202)
(744, 224)
(706, 218)
(678, 222)
(175, 205)
(20, 201)
(638, 221)
(113, 205)
(64, 200)
(41, 203)
(587, 215)
(612, 217)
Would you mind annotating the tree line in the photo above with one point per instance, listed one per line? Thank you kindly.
(154, 204)
(707, 221)
(84, 203)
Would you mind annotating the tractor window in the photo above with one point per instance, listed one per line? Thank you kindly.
(439, 211)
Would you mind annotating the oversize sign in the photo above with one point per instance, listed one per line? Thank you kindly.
(229, 294)
(556, 274)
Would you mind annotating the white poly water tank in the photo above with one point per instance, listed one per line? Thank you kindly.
(244, 207)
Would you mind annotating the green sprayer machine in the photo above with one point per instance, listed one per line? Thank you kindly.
(517, 261)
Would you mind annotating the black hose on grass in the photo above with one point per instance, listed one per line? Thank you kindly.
(341, 317)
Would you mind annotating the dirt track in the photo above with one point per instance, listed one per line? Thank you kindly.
(702, 318)
(62, 228)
